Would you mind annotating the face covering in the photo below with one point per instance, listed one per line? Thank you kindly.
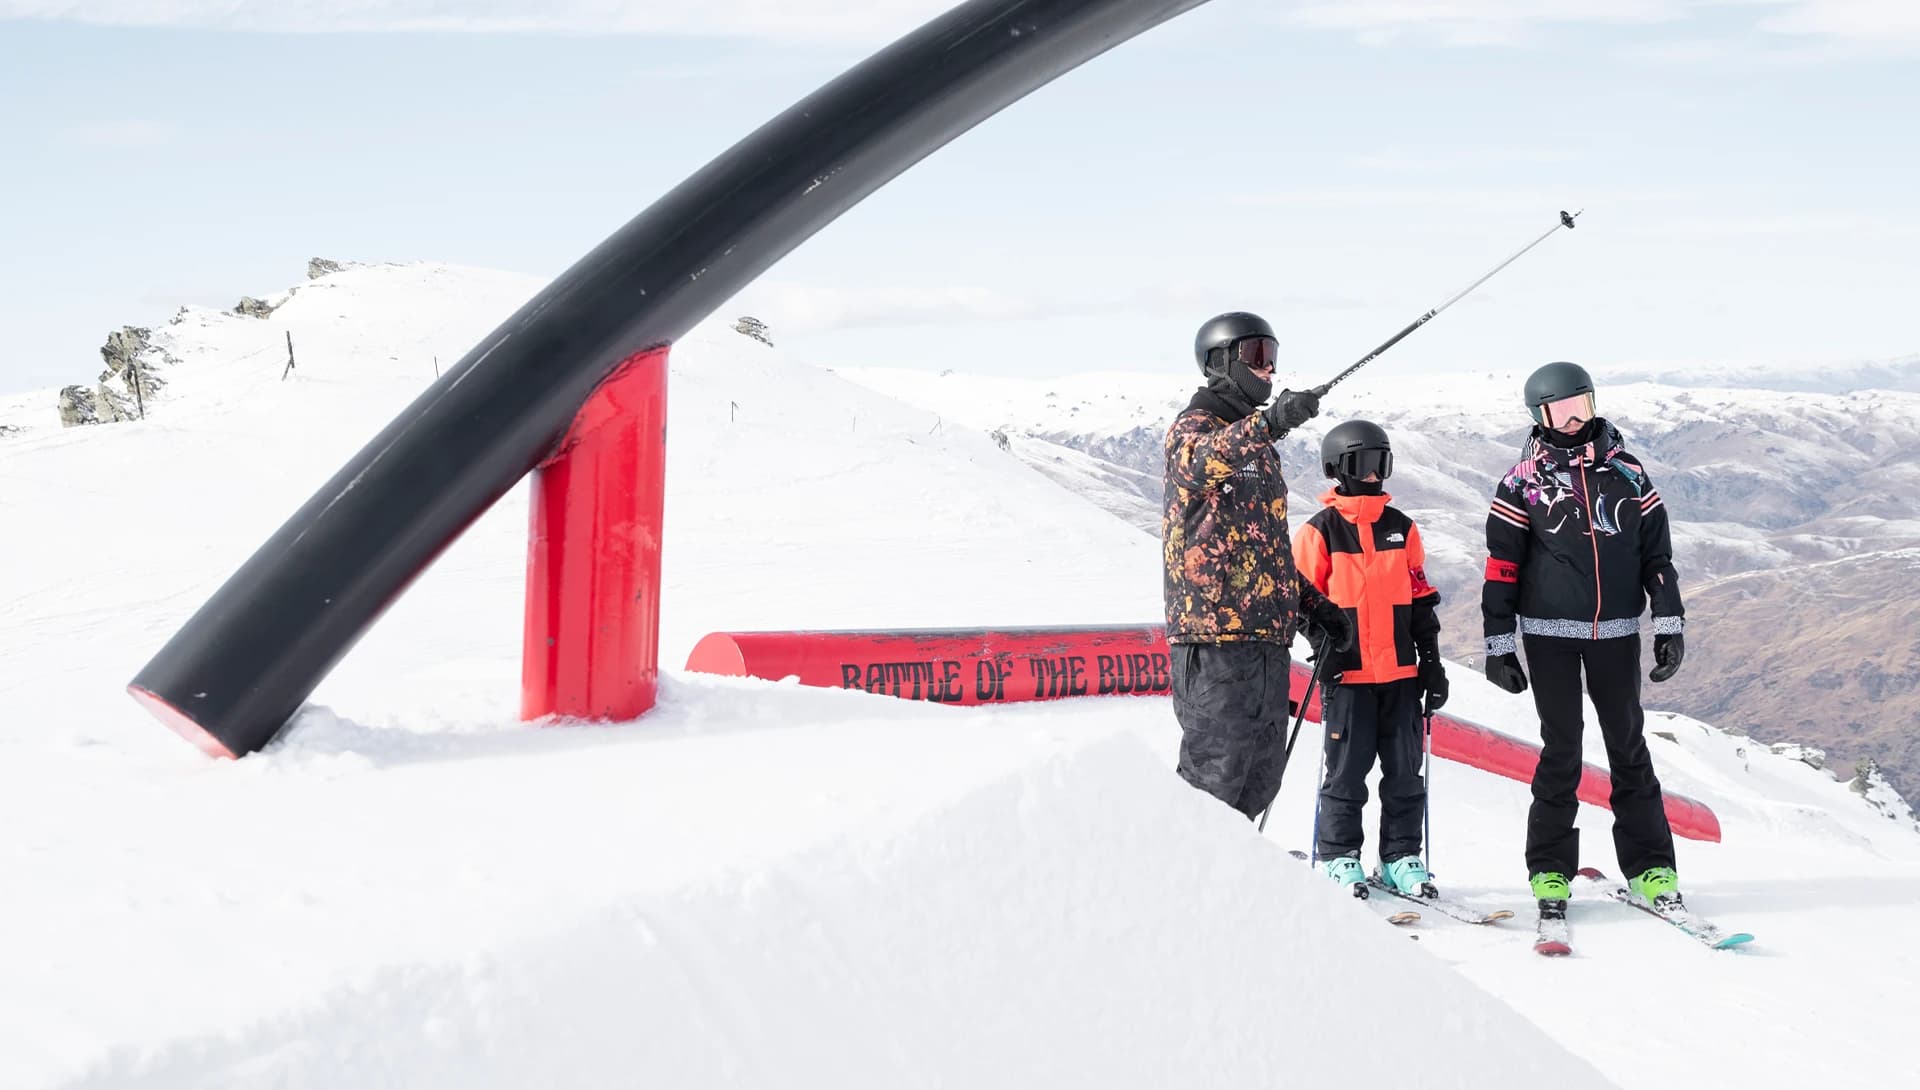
(1252, 387)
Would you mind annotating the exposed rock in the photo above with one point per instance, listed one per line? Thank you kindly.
(1871, 786)
(318, 267)
(755, 328)
(249, 307)
(125, 388)
(77, 407)
(1812, 756)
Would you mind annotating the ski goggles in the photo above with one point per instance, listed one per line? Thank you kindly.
(1256, 352)
(1358, 465)
(1555, 414)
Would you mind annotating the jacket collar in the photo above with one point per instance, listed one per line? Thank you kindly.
(1359, 510)
(1605, 445)
(1206, 399)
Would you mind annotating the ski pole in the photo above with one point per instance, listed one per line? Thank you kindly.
(1319, 662)
(1426, 790)
(1566, 220)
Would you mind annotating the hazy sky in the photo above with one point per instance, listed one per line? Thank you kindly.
(1749, 171)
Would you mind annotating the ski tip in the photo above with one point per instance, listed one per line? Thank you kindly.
(1590, 872)
(1552, 949)
(1496, 917)
(1732, 941)
(1297, 854)
(1402, 919)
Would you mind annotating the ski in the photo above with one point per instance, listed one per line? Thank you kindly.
(1694, 925)
(1553, 936)
(1398, 919)
(1448, 908)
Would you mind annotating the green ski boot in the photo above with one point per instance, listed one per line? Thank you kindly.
(1659, 886)
(1551, 886)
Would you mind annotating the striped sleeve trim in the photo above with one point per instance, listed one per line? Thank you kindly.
(1650, 501)
(1511, 515)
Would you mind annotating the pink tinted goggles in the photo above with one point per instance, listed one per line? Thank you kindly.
(1556, 414)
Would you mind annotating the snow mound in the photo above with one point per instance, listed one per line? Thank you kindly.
(1038, 906)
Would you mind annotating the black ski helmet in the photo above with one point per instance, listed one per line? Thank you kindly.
(1553, 382)
(1343, 453)
(1222, 330)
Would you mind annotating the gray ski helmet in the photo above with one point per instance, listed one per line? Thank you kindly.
(1554, 381)
(1222, 330)
(1355, 448)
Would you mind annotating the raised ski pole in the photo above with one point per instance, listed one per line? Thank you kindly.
(1319, 660)
(1566, 220)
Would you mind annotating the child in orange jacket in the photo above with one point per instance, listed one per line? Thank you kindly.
(1366, 557)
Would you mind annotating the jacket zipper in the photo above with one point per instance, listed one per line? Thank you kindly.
(1593, 535)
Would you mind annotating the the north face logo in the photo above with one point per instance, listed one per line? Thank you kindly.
(1397, 537)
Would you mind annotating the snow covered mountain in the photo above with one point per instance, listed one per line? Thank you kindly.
(758, 884)
(1790, 510)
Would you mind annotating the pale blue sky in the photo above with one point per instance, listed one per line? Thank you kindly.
(1749, 171)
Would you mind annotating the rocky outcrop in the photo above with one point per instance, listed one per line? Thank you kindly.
(755, 328)
(78, 406)
(124, 390)
(318, 267)
(249, 307)
(1873, 787)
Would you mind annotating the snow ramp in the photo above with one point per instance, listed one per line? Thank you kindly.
(863, 897)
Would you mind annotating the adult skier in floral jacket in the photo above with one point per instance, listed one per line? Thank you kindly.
(1577, 546)
(1233, 598)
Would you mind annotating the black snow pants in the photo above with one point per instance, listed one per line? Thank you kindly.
(1231, 701)
(1364, 722)
(1641, 836)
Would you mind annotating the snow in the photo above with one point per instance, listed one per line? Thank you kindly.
(762, 884)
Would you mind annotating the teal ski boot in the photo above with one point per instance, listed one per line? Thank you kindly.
(1408, 875)
(1347, 871)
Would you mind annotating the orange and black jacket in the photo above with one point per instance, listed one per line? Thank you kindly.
(1228, 573)
(1367, 557)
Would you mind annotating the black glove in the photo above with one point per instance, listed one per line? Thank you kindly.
(1504, 671)
(1668, 650)
(1433, 680)
(1327, 626)
(1292, 409)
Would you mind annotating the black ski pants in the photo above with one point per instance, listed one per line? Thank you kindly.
(1364, 722)
(1641, 836)
(1231, 701)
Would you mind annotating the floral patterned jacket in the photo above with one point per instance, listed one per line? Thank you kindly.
(1228, 558)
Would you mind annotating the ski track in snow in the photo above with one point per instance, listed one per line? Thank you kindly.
(761, 884)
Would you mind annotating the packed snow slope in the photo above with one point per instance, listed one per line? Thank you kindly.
(758, 884)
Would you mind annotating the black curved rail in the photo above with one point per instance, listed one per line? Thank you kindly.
(241, 667)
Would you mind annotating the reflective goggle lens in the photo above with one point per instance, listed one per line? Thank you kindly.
(1555, 414)
(1257, 351)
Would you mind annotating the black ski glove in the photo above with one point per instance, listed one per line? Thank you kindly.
(1326, 626)
(1433, 681)
(1668, 650)
(1292, 409)
(1504, 671)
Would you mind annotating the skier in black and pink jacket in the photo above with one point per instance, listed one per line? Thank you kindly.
(1577, 547)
